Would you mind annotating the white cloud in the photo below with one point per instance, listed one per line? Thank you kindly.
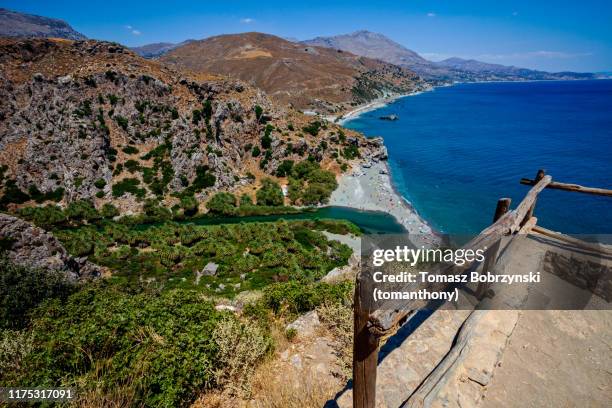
(247, 20)
(431, 14)
(132, 30)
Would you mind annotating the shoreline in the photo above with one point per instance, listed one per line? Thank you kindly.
(372, 105)
(370, 185)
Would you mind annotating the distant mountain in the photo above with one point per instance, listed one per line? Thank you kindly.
(310, 78)
(14, 24)
(504, 72)
(157, 49)
(374, 45)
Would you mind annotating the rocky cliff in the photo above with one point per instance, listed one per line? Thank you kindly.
(31, 246)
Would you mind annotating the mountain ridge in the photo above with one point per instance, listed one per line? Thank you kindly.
(375, 45)
(16, 24)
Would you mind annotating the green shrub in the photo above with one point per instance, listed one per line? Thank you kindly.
(256, 151)
(246, 200)
(270, 193)
(100, 183)
(351, 152)
(130, 150)
(258, 112)
(295, 298)
(204, 179)
(82, 210)
(160, 348)
(312, 128)
(189, 204)
(284, 169)
(128, 185)
(223, 204)
(23, 288)
(122, 122)
(109, 211)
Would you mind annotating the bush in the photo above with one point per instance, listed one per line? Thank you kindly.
(109, 211)
(122, 122)
(312, 128)
(23, 288)
(130, 150)
(258, 112)
(284, 169)
(189, 204)
(128, 185)
(270, 193)
(100, 183)
(256, 151)
(240, 347)
(223, 204)
(204, 179)
(157, 347)
(295, 298)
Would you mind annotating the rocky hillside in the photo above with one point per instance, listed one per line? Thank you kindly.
(92, 120)
(374, 45)
(14, 24)
(307, 77)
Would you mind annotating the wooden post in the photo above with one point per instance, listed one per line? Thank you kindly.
(539, 176)
(503, 205)
(365, 350)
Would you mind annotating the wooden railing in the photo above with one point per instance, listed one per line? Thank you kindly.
(371, 325)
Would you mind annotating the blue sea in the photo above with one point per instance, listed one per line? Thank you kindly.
(456, 150)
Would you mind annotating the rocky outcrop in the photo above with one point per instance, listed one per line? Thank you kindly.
(31, 246)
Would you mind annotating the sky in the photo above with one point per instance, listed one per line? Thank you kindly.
(539, 34)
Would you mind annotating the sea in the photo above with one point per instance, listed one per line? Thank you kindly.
(456, 150)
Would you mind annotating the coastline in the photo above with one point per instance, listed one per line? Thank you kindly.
(372, 105)
(368, 186)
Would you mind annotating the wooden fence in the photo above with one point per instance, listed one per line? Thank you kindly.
(371, 325)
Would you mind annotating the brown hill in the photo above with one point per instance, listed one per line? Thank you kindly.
(93, 120)
(308, 77)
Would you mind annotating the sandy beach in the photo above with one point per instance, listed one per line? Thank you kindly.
(370, 188)
(375, 104)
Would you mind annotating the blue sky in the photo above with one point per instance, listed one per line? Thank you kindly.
(549, 35)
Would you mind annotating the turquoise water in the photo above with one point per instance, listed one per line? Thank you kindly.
(370, 222)
(456, 150)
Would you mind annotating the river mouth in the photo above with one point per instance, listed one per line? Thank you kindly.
(370, 222)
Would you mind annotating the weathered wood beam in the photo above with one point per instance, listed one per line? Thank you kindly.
(555, 185)
(589, 246)
(365, 349)
(528, 202)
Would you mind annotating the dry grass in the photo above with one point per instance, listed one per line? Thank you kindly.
(337, 320)
(241, 347)
(293, 389)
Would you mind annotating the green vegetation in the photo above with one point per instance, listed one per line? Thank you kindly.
(309, 184)
(222, 204)
(150, 336)
(270, 193)
(284, 169)
(313, 128)
(14, 195)
(128, 185)
(130, 150)
(22, 289)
